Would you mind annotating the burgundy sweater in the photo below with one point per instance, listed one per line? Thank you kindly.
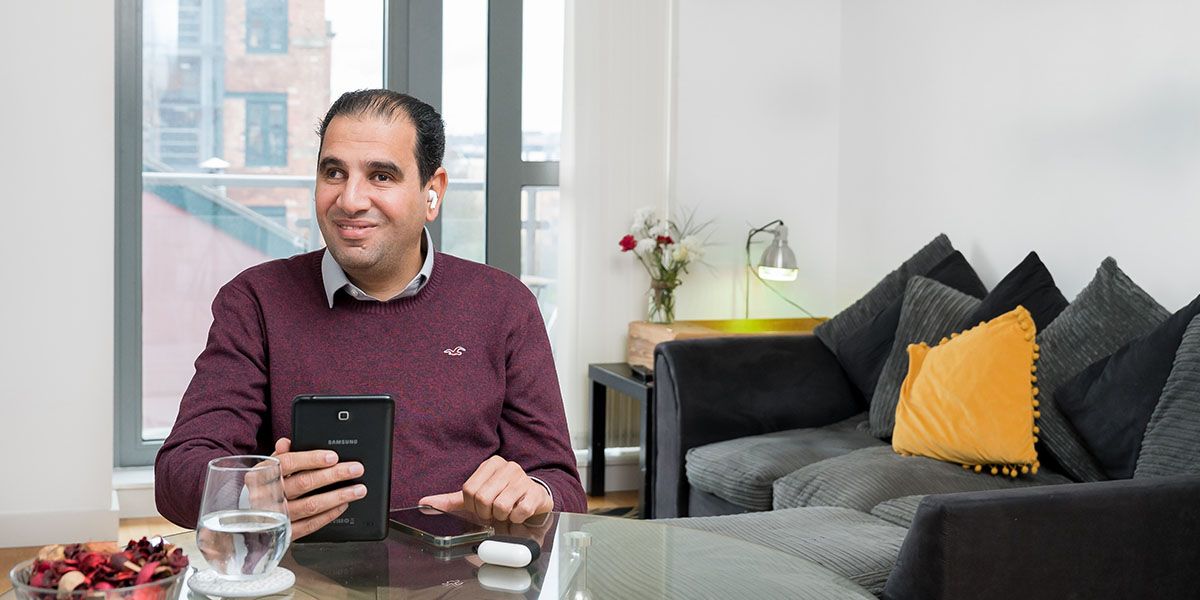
(274, 337)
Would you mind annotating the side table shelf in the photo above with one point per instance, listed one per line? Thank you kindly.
(620, 377)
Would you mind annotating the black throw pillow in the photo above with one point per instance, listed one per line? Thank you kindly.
(1110, 402)
(1030, 285)
(863, 351)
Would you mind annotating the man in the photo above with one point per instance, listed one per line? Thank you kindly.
(460, 346)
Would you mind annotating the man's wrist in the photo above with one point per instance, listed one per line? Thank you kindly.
(549, 491)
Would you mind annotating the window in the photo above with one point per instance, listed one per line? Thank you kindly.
(266, 130)
(198, 121)
(215, 167)
(267, 26)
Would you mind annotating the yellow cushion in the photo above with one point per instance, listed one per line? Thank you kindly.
(972, 399)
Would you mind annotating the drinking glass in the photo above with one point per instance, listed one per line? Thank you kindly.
(243, 529)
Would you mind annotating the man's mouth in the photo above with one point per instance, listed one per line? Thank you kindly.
(354, 230)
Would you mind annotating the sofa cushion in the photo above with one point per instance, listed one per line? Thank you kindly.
(1029, 284)
(1171, 445)
(970, 400)
(1110, 408)
(1110, 311)
(883, 293)
(899, 511)
(864, 478)
(853, 544)
(742, 470)
(930, 312)
(863, 351)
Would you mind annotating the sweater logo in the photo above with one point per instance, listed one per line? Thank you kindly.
(455, 351)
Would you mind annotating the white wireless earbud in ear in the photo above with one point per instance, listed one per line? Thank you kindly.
(433, 199)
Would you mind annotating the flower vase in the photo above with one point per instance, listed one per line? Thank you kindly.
(661, 305)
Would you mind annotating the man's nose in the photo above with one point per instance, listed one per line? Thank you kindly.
(355, 197)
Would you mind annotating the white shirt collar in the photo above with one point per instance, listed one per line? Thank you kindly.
(335, 278)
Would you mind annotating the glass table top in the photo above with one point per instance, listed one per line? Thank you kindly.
(583, 556)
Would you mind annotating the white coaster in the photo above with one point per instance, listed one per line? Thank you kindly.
(206, 582)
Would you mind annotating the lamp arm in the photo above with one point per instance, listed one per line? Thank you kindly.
(750, 269)
(780, 294)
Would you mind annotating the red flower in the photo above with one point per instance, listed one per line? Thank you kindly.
(663, 240)
(628, 243)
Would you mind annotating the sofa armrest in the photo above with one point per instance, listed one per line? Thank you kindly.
(714, 389)
(1114, 539)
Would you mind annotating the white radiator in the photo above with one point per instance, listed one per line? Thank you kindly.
(624, 421)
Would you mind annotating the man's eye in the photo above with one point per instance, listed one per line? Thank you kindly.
(381, 177)
(334, 174)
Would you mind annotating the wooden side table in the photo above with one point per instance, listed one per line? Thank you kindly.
(643, 336)
(620, 377)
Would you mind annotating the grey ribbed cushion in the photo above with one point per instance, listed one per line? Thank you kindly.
(864, 478)
(930, 312)
(742, 470)
(1110, 311)
(899, 511)
(1171, 444)
(850, 543)
(884, 293)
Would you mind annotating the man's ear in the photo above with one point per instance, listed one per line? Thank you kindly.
(438, 184)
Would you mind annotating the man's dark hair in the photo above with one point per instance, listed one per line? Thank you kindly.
(386, 104)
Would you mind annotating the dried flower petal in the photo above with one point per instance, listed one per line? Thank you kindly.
(70, 580)
(147, 572)
(51, 553)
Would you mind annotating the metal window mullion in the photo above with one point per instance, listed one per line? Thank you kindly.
(504, 166)
(129, 448)
(413, 58)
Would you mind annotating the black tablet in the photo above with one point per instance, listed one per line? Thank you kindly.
(358, 428)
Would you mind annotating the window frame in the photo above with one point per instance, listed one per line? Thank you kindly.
(506, 172)
(273, 21)
(264, 100)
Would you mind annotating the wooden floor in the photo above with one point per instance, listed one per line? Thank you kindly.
(133, 529)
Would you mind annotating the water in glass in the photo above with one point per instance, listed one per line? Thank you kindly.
(243, 529)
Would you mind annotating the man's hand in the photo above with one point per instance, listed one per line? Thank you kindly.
(304, 472)
(498, 490)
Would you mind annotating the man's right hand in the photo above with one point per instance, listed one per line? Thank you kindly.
(306, 471)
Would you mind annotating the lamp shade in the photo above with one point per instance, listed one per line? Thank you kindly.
(778, 262)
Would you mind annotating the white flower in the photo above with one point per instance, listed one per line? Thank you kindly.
(692, 246)
(641, 218)
(644, 245)
(662, 228)
(668, 256)
(682, 253)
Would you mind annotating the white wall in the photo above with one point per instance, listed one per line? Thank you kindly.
(755, 139)
(56, 312)
(614, 161)
(697, 104)
(1071, 127)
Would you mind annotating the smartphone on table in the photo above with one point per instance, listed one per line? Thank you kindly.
(437, 528)
(358, 428)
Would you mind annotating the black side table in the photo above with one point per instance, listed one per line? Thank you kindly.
(620, 377)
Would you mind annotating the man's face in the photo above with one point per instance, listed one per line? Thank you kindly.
(371, 206)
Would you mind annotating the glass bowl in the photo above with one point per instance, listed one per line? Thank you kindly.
(162, 589)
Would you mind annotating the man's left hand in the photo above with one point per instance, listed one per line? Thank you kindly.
(498, 490)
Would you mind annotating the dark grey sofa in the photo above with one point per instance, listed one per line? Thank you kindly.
(903, 527)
